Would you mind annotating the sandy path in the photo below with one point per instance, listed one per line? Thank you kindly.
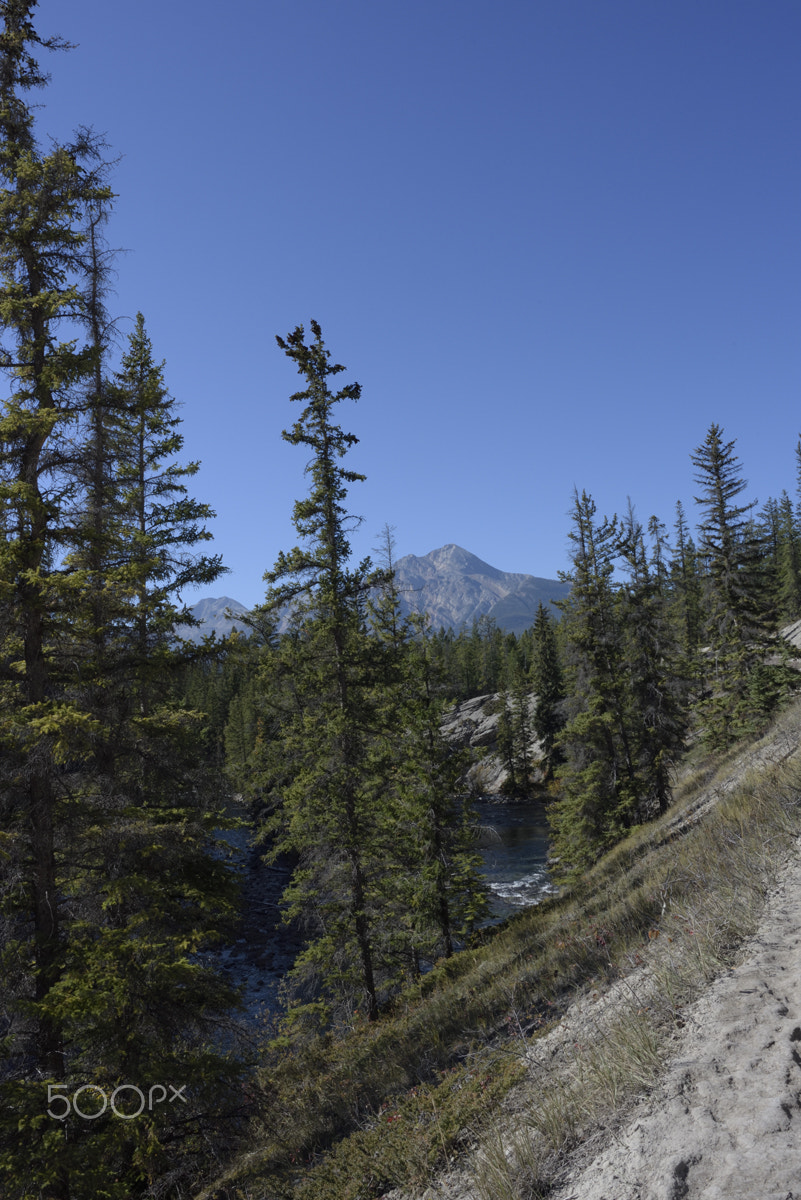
(725, 1118)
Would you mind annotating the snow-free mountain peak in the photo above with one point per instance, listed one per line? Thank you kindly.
(212, 612)
(454, 558)
(452, 585)
(456, 587)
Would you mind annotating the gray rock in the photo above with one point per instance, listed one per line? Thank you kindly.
(473, 724)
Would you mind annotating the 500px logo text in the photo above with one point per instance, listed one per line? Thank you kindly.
(157, 1094)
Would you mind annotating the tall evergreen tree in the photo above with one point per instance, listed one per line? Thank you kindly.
(741, 686)
(547, 684)
(625, 723)
(600, 788)
(327, 817)
(42, 202)
(103, 900)
(686, 593)
(515, 724)
(788, 565)
(654, 667)
(433, 865)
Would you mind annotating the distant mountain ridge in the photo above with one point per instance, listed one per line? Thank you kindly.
(212, 614)
(452, 585)
(456, 587)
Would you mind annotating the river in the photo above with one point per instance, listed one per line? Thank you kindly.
(514, 847)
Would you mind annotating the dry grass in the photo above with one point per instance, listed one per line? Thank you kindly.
(713, 879)
(647, 928)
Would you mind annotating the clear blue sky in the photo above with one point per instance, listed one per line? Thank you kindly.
(553, 240)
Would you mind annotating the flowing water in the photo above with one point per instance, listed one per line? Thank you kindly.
(513, 843)
(514, 847)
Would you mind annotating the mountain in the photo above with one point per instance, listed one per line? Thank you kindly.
(455, 587)
(452, 585)
(212, 616)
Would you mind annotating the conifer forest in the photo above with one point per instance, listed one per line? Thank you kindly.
(126, 751)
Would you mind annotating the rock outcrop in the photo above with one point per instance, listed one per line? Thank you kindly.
(473, 724)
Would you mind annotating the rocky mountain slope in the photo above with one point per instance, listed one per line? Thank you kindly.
(473, 724)
(450, 584)
(213, 614)
(455, 588)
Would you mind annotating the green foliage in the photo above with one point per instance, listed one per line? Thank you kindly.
(738, 618)
(349, 764)
(332, 1108)
(111, 888)
(476, 661)
(547, 684)
(320, 759)
(626, 711)
(599, 782)
(432, 858)
(685, 596)
(655, 667)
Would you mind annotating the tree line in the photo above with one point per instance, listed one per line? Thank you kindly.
(664, 639)
(351, 773)
(684, 646)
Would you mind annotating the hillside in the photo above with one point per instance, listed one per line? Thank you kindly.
(678, 1075)
(529, 1064)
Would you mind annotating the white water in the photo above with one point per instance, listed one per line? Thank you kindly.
(515, 851)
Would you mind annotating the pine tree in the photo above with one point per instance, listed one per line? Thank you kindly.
(600, 787)
(42, 204)
(766, 528)
(548, 687)
(321, 753)
(788, 565)
(106, 894)
(515, 732)
(686, 593)
(657, 685)
(432, 876)
(741, 686)
(162, 522)
(626, 707)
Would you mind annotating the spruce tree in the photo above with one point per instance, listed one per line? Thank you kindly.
(741, 687)
(327, 817)
(788, 566)
(626, 706)
(547, 684)
(515, 732)
(104, 899)
(600, 787)
(44, 197)
(686, 594)
(432, 877)
(654, 668)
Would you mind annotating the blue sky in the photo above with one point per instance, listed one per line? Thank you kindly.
(553, 240)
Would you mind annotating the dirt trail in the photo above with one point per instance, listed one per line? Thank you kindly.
(725, 1119)
(723, 1122)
